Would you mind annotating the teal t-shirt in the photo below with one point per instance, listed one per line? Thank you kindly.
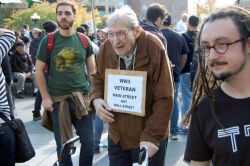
(67, 64)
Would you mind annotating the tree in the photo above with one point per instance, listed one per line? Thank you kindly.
(46, 11)
(21, 17)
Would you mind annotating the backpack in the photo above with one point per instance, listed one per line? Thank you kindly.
(50, 45)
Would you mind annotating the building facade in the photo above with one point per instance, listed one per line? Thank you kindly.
(103, 6)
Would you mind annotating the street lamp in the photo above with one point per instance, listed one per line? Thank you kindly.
(35, 18)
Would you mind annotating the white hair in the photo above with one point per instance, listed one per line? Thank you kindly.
(126, 15)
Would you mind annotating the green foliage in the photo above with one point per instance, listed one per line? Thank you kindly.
(46, 11)
(102, 23)
(21, 17)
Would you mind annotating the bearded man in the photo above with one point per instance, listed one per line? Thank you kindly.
(67, 82)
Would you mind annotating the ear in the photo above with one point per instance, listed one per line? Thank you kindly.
(137, 31)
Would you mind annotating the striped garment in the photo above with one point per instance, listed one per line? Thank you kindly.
(7, 40)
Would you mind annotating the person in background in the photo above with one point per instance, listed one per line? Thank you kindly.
(81, 29)
(98, 122)
(220, 122)
(129, 47)
(48, 26)
(65, 91)
(181, 25)
(36, 35)
(7, 134)
(155, 16)
(185, 78)
(103, 33)
(25, 40)
(177, 53)
(22, 68)
(87, 30)
(27, 32)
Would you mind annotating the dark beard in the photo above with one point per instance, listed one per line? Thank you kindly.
(228, 75)
(70, 24)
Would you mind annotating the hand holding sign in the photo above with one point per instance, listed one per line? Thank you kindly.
(103, 110)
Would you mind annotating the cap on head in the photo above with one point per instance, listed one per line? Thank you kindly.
(19, 43)
(105, 30)
(80, 29)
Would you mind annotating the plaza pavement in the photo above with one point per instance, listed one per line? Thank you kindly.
(45, 147)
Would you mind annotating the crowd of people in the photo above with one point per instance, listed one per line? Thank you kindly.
(202, 71)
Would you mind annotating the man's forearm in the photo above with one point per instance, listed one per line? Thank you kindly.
(91, 67)
(40, 79)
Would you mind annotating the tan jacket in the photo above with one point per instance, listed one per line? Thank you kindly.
(151, 56)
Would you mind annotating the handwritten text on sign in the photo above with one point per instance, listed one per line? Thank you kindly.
(125, 92)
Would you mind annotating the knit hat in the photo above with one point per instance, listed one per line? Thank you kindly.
(49, 26)
(85, 26)
(80, 29)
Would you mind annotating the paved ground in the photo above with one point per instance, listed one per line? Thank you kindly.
(44, 144)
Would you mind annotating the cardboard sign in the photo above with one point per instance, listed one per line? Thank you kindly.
(125, 91)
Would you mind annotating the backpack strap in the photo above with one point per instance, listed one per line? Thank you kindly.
(50, 45)
(84, 40)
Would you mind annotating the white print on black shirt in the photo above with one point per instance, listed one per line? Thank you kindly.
(232, 132)
(247, 130)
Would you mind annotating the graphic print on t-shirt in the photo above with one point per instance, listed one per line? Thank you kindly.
(247, 130)
(64, 59)
(232, 132)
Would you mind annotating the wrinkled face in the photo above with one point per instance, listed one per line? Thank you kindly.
(123, 38)
(221, 32)
(65, 17)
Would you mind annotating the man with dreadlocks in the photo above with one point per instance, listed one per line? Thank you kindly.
(220, 125)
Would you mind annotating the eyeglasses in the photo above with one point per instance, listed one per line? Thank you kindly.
(219, 47)
(121, 35)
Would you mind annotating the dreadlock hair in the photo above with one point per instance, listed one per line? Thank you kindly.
(205, 82)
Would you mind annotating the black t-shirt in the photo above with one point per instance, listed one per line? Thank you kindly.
(176, 48)
(208, 141)
(190, 38)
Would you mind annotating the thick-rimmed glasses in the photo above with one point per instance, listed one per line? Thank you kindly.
(121, 35)
(219, 47)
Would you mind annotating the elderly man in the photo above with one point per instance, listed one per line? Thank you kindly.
(21, 67)
(129, 47)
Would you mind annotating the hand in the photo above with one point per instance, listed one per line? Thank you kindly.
(152, 148)
(103, 110)
(27, 75)
(47, 104)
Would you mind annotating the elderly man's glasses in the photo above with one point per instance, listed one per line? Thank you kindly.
(219, 47)
(121, 35)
